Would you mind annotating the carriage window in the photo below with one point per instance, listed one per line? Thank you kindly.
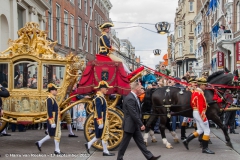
(4, 75)
(53, 74)
(25, 75)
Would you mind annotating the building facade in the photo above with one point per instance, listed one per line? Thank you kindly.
(217, 34)
(75, 25)
(184, 52)
(128, 50)
(14, 14)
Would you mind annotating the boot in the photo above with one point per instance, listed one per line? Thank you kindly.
(200, 140)
(183, 133)
(205, 148)
(232, 131)
(186, 141)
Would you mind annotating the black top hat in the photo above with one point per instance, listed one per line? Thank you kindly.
(51, 87)
(103, 84)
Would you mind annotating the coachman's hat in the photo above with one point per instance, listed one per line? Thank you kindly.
(103, 84)
(51, 87)
(192, 80)
(202, 80)
(106, 25)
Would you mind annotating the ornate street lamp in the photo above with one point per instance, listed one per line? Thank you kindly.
(162, 27)
(157, 52)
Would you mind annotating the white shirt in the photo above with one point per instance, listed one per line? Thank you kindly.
(136, 99)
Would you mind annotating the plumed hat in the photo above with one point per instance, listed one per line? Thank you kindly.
(103, 84)
(202, 80)
(192, 80)
(106, 25)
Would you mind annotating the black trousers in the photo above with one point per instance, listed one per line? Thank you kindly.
(230, 119)
(138, 138)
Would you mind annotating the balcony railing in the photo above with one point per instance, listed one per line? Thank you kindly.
(224, 37)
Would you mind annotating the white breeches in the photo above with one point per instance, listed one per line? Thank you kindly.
(201, 127)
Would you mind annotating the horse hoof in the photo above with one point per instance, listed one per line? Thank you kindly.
(154, 140)
(169, 147)
(176, 140)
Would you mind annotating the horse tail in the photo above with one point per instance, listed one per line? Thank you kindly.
(147, 101)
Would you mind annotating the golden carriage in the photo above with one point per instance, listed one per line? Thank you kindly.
(26, 68)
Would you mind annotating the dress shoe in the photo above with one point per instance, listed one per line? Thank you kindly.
(86, 146)
(6, 134)
(70, 135)
(46, 132)
(38, 146)
(58, 153)
(108, 154)
(233, 132)
(155, 158)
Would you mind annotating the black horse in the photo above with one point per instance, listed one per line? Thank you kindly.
(167, 100)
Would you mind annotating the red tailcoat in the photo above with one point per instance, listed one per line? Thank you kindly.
(198, 102)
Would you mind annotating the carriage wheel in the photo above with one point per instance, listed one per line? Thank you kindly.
(3, 125)
(120, 111)
(115, 130)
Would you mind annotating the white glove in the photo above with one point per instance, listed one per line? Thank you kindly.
(100, 126)
(53, 125)
(205, 123)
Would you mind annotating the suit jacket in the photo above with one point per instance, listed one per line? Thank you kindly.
(132, 114)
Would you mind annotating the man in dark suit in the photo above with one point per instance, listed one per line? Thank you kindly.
(132, 123)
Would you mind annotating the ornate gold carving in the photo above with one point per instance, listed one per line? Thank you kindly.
(30, 104)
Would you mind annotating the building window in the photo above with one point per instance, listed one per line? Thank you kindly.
(58, 23)
(72, 1)
(96, 43)
(180, 49)
(66, 28)
(79, 33)
(49, 24)
(91, 40)
(85, 6)
(20, 12)
(190, 6)
(72, 31)
(238, 16)
(90, 5)
(80, 4)
(179, 31)
(95, 18)
(191, 46)
(86, 37)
